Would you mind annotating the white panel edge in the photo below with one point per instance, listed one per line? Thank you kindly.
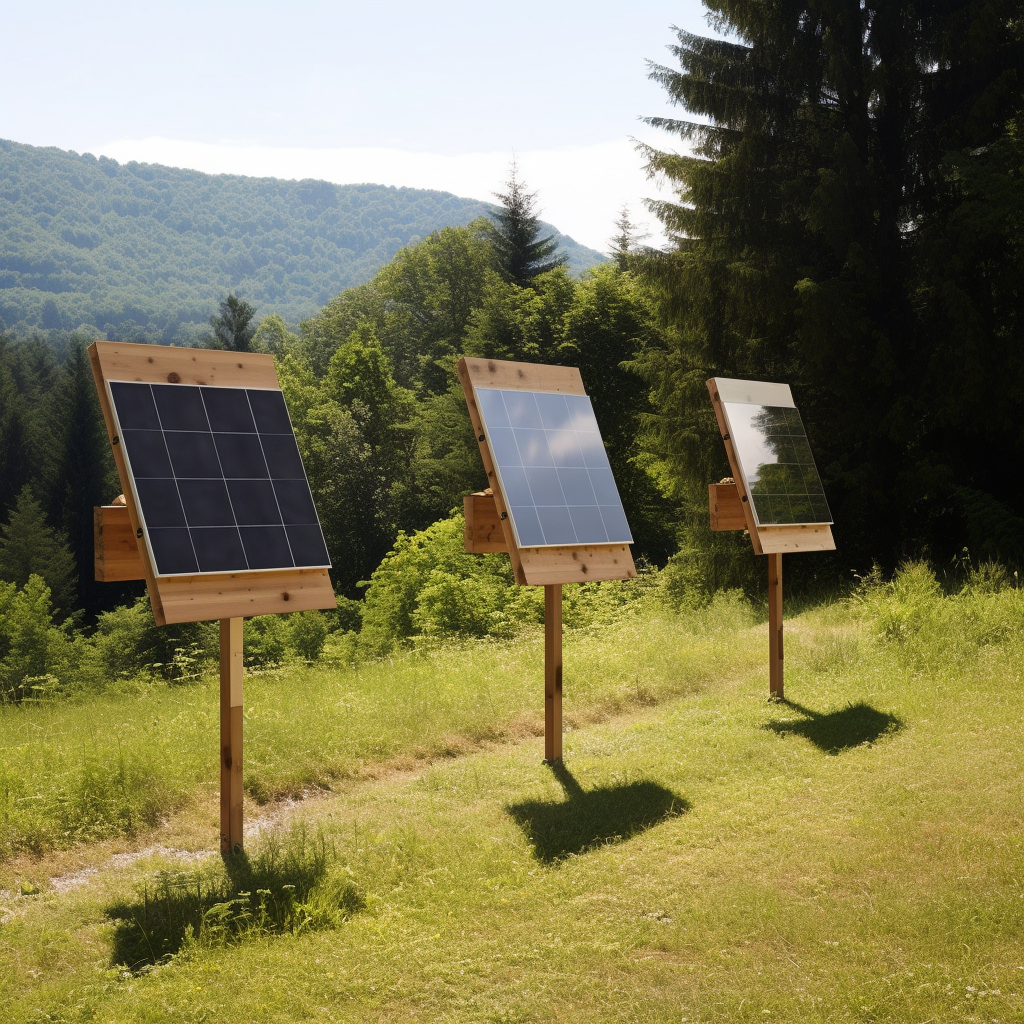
(754, 392)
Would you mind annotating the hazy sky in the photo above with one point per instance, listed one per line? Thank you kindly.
(434, 95)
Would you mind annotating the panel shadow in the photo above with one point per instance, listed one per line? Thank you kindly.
(853, 726)
(587, 819)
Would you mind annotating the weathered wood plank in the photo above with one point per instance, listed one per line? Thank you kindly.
(553, 673)
(775, 667)
(512, 376)
(163, 364)
(231, 669)
(781, 539)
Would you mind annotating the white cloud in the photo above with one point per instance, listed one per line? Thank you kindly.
(580, 189)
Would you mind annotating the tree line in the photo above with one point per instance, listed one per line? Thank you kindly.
(849, 218)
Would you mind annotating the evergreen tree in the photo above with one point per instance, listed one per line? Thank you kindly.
(828, 142)
(234, 326)
(82, 474)
(521, 253)
(28, 546)
(626, 240)
(15, 456)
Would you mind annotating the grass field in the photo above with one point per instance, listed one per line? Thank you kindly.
(704, 855)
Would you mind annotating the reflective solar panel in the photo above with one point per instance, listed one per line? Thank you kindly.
(778, 468)
(552, 468)
(218, 478)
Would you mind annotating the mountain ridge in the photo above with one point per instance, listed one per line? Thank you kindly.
(139, 250)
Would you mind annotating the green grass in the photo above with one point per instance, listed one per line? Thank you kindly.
(855, 855)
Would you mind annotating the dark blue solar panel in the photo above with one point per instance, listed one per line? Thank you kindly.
(218, 478)
(552, 468)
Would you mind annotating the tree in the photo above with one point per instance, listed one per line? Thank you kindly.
(829, 143)
(233, 326)
(625, 241)
(521, 253)
(28, 546)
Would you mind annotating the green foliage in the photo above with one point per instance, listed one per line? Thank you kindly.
(34, 654)
(522, 254)
(28, 546)
(849, 222)
(141, 251)
(233, 327)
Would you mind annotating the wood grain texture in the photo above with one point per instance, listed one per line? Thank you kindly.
(725, 507)
(538, 566)
(227, 595)
(787, 539)
(775, 666)
(483, 533)
(553, 673)
(115, 547)
(231, 670)
(161, 364)
(511, 376)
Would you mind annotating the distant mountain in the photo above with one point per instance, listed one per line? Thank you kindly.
(140, 249)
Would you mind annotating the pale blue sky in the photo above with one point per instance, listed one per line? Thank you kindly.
(430, 95)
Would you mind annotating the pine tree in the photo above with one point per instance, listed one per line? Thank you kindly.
(821, 140)
(28, 545)
(626, 240)
(521, 253)
(234, 326)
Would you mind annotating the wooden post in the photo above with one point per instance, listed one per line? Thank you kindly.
(553, 673)
(230, 735)
(775, 625)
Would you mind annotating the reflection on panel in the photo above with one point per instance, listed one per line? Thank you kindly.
(552, 468)
(778, 469)
(218, 478)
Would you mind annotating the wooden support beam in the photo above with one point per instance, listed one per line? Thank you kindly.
(230, 735)
(553, 673)
(775, 626)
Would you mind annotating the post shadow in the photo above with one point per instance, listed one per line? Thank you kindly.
(833, 732)
(587, 819)
(262, 894)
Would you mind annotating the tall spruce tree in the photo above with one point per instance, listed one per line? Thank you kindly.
(234, 326)
(828, 145)
(522, 253)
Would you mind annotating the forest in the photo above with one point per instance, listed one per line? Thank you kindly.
(139, 251)
(825, 231)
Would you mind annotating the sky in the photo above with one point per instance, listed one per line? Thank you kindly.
(435, 95)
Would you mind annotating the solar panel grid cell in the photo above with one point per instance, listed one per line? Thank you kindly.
(218, 477)
(552, 468)
(776, 459)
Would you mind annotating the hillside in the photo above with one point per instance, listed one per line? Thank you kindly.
(124, 247)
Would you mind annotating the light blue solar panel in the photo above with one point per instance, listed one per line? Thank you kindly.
(552, 468)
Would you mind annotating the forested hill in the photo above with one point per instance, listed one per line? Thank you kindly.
(140, 249)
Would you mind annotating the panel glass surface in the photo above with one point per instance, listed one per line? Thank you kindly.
(775, 459)
(552, 468)
(218, 478)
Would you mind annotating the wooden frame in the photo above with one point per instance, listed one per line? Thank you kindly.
(206, 595)
(576, 563)
(488, 527)
(730, 509)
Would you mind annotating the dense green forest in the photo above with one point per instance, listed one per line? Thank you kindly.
(142, 252)
(850, 221)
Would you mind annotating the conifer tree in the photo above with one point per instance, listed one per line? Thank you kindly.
(234, 325)
(29, 546)
(825, 144)
(521, 253)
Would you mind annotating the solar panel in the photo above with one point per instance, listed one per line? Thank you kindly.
(218, 478)
(778, 468)
(552, 468)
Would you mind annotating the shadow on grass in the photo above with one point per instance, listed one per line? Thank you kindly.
(281, 888)
(587, 819)
(853, 726)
